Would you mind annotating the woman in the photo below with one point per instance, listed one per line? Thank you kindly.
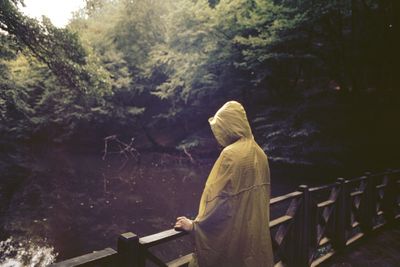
(231, 228)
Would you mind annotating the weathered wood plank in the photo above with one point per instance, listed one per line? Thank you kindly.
(342, 215)
(356, 193)
(306, 230)
(162, 237)
(322, 187)
(182, 261)
(322, 259)
(129, 253)
(284, 197)
(280, 220)
(279, 264)
(324, 241)
(354, 238)
(379, 186)
(325, 203)
(91, 258)
(155, 259)
(368, 204)
(359, 179)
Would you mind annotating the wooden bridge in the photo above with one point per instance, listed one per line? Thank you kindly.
(308, 226)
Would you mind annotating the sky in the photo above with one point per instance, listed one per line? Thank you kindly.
(59, 11)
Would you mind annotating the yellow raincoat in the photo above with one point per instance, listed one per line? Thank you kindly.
(231, 228)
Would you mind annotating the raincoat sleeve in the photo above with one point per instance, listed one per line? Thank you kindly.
(214, 207)
(215, 212)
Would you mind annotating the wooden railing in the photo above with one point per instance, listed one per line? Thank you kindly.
(308, 226)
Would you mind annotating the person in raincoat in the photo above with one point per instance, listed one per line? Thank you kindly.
(232, 225)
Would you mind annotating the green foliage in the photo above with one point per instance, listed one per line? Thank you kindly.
(121, 62)
(60, 49)
(268, 32)
(214, 52)
(36, 103)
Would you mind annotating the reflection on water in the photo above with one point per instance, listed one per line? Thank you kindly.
(25, 254)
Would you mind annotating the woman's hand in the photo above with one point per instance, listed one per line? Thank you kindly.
(183, 223)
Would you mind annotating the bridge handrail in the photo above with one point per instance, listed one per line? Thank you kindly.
(162, 237)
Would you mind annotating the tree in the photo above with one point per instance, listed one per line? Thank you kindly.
(60, 49)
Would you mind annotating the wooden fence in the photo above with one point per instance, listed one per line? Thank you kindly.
(307, 226)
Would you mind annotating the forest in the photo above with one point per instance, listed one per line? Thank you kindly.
(318, 80)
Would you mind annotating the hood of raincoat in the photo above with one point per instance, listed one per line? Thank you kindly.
(230, 123)
(231, 228)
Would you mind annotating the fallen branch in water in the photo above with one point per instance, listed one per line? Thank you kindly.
(189, 155)
(125, 150)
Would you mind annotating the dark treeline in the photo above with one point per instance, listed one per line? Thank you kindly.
(156, 69)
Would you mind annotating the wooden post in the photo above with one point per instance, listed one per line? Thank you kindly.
(342, 215)
(389, 204)
(305, 229)
(129, 251)
(368, 205)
